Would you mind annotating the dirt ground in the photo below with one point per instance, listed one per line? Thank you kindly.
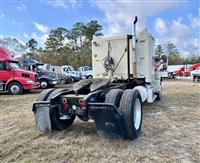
(170, 132)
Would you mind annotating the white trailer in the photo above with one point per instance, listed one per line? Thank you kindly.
(124, 78)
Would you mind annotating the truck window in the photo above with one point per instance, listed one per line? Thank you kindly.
(71, 68)
(40, 67)
(65, 69)
(2, 66)
(14, 65)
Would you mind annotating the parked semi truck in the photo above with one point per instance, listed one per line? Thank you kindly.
(196, 74)
(86, 72)
(67, 71)
(14, 79)
(124, 78)
(47, 78)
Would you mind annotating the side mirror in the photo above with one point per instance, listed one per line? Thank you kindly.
(8, 68)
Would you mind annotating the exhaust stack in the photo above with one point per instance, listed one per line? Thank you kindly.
(134, 47)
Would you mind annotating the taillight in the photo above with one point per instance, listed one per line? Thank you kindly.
(64, 100)
(82, 103)
(65, 104)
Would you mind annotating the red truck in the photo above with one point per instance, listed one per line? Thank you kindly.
(14, 79)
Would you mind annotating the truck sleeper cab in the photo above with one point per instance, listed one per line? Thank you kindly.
(14, 79)
(113, 99)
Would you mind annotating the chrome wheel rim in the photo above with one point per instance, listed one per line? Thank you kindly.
(43, 84)
(137, 114)
(15, 89)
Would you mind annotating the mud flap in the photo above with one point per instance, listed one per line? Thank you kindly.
(42, 117)
(107, 119)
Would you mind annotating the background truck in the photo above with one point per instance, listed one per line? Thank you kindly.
(86, 72)
(196, 74)
(124, 78)
(67, 71)
(47, 78)
(14, 79)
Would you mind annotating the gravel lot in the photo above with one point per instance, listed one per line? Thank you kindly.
(170, 132)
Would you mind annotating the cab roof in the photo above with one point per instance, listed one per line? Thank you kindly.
(6, 56)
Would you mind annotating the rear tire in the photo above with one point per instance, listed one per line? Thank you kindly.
(15, 88)
(72, 79)
(44, 94)
(56, 122)
(131, 109)
(114, 96)
(63, 81)
(90, 77)
(55, 92)
(158, 98)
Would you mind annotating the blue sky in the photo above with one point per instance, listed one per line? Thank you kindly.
(174, 20)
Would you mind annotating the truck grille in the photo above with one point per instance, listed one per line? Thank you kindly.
(36, 77)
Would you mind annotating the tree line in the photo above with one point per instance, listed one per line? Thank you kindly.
(65, 46)
(73, 46)
(169, 53)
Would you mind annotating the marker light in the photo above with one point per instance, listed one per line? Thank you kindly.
(74, 107)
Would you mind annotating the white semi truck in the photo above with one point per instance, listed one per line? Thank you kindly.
(67, 71)
(124, 79)
(86, 72)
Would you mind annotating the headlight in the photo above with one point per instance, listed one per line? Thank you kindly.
(30, 81)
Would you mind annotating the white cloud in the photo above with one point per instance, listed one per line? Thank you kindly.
(195, 21)
(185, 47)
(21, 7)
(196, 43)
(160, 26)
(120, 14)
(25, 35)
(17, 24)
(179, 30)
(2, 16)
(41, 27)
(191, 46)
(40, 38)
(64, 4)
(181, 35)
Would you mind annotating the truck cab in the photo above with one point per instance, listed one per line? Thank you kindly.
(47, 78)
(86, 72)
(69, 71)
(196, 74)
(14, 79)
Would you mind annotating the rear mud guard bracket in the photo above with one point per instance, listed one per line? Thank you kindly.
(42, 116)
(108, 120)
